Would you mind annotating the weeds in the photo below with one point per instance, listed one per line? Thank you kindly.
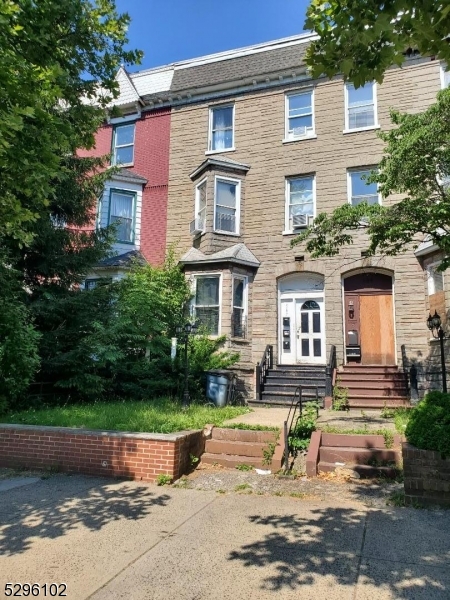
(340, 396)
(242, 486)
(244, 467)
(268, 453)
(163, 479)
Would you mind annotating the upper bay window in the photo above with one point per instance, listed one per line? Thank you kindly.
(199, 222)
(435, 279)
(359, 190)
(221, 128)
(360, 107)
(227, 205)
(206, 302)
(445, 77)
(299, 115)
(123, 144)
(122, 207)
(239, 314)
(300, 202)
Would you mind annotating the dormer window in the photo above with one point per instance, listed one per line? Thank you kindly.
(123, 145)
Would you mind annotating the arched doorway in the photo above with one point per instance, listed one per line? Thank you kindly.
(301, 319)
(369, 319)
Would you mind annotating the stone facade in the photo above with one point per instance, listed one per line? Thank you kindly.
(259, 126)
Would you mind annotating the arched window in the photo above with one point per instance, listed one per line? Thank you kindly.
(310, 305)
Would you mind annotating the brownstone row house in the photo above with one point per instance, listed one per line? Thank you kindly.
(257, 150)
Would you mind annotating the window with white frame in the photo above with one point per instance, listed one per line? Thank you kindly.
(122, 207)
(299, 115)
(221, 128)
(300, 202)
(435, 279)
(239, 312)
(360, 106)
(200, 206)
(123, 144)
(445, 76)
(206, 302)
(359, 190)
(227, 205)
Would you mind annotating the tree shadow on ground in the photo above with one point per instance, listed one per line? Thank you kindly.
(331, 544)
(44, 512)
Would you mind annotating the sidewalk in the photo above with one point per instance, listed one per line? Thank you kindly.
(125, 540)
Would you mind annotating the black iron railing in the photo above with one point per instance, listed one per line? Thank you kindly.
(295, 413)
(262, 368)
(331, 367)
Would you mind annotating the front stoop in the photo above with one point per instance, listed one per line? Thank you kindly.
(233, 447)
(367, 454)
(374, 387)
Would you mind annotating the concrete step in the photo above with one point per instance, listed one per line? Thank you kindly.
(356, 456)
(358, 441)
(246, 449)
(372, 377)
(364, 471)
(380, 402)
(269, 386)
(385, 390)
(232, 461)
(273, 377)
(243, 435)
(368, 369)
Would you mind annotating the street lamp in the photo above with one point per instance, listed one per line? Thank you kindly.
(435, 325)
(183, 332)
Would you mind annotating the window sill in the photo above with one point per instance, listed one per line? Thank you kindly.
(210, 152)
(120, 166)
(297, 232)
(371, 128)
(299, 139)
(229, 233)
(238, 340)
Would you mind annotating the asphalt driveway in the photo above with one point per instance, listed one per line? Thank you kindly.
(108, 540)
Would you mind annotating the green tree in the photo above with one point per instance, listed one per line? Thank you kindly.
(57, 57)
(362, 38)
(416, 164)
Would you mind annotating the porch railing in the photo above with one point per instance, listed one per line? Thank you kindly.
(330, 371)
(262, 368)
(294, 414)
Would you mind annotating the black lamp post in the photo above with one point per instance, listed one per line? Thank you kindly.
(435, 325)
(183, 333)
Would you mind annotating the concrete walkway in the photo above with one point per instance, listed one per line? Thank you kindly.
(125, 540)
(269, 417)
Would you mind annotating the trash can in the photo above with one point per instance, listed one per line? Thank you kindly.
(218, 386)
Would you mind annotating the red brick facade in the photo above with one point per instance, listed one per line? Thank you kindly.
(151, 160)
(138, 456)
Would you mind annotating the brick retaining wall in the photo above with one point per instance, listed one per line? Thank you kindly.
(426, 476)
(141, 456)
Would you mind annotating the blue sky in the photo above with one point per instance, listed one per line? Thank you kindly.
(172, 30)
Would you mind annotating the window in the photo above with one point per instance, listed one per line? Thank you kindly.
(239, 313)
(435, 280)
(445, 77)
(200, 206)
(91, 284)
(299, 115)
(360, 190)
(221, 128)
(121, 211)
(207, 302)
(300, 192)
(360, 107)
(123, 145)
(227, 200)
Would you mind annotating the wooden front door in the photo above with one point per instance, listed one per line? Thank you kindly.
(369, 318)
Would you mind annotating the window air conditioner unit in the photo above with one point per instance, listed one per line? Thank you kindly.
(300, 221)
(196, 226)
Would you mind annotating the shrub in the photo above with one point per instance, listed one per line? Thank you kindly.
(306, 424)
(429, 424)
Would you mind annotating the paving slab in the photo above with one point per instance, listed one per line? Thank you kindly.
(354, 419)
(110, 540)
(16, 482)
(269, 417)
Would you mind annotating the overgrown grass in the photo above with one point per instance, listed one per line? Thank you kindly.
(401, 418)
(155, 416)
(248, 427)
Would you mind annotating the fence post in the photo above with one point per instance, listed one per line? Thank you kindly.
(258, 381)
(270, 357)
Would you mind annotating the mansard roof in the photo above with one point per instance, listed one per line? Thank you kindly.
(122, 260)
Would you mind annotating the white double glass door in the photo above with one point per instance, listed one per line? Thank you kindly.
(310, 331)
(302, 329)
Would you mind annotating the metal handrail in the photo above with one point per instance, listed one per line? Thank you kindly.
(330, 368)
(288, 428)
(262, 368)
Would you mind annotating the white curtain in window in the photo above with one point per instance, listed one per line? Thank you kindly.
(122, 210)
